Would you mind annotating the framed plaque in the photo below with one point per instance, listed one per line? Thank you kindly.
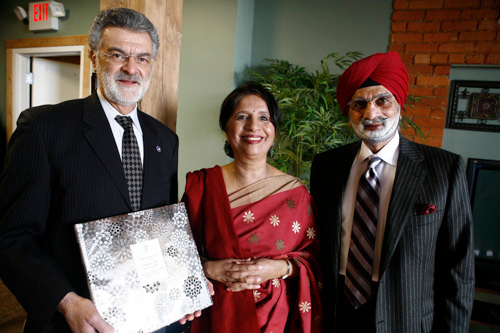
(474, 105)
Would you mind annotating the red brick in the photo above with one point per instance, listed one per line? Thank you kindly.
(480, 14)
(422, 47)
(442, 70)
(406, 37)
(440, 37)
(418, 111)
(422, 59)
(397, 47)
(423, 26)
(442, 15)
(459, 25)
(433, 102)
(438, 113)
(436, 132)
(488, 25)
(439, 59)
(413, 15)
(429, 122)
(420, 91)
(454, 47)
(426, 4)
(407, 131)
(490, 3)
(461, 3)
(475, 59)
(492, 59)
(406, 58)
(434, 142)
(457, 58)
(441, 92)
(412, 80)
(419, 69)
(477, 35)
(488, 47)
(432, 81)
(398, 4)
(398, 26)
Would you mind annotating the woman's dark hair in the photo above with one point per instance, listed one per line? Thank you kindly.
(246, 89)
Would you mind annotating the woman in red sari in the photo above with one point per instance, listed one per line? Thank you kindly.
(254, 226)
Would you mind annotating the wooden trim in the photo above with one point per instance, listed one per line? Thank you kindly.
(12, 44)
(46, 42)
(8, 96)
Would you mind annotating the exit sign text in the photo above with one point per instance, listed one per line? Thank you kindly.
(40, 12)
(41, 17)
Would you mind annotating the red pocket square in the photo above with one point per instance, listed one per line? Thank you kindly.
(428, 209)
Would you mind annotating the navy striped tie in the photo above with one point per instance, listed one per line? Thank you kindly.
(131, 161)
(359, 268)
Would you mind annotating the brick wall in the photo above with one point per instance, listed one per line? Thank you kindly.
(431, 35)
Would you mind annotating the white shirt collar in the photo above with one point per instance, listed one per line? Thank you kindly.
(111, 112)
(389, 153)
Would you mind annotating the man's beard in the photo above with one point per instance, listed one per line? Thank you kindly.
(391, 125)
(113, 91)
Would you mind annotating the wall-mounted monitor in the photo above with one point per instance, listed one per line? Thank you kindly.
(483, 177)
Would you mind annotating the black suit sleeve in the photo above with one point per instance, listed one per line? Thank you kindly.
(454, 276)
(25, 198)
(174, 182)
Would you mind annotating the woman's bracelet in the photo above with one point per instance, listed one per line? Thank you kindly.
(288, 269)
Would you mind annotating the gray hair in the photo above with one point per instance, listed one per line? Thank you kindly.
(125, 18)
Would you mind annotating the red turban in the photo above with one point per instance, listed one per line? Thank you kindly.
(384, 68)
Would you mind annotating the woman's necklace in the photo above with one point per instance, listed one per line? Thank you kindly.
(236, 177)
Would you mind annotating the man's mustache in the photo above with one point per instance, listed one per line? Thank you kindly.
(372, 121)
(127, 77)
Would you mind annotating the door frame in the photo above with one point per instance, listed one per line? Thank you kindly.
(18, 54)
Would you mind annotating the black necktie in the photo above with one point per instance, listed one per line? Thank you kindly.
(131, 161)
(364, 226)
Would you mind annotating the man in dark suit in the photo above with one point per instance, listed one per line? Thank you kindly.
(64, 166)
(395, 219)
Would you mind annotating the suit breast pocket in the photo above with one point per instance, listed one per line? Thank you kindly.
(420, 220)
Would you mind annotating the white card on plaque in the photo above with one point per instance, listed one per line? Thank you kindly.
(143, 268)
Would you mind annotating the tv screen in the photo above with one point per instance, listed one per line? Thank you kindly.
(484, 188)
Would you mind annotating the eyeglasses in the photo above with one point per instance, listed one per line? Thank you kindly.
(116, 57)
(382, 102)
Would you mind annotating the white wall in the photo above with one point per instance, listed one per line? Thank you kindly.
(206, 78)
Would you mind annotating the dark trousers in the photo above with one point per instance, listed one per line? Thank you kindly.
(351, 320)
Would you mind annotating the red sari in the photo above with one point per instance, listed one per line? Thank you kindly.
(272, 218)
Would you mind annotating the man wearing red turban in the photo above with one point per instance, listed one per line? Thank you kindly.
(395, 219)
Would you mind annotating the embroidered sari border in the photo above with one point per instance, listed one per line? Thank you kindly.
(263, 189)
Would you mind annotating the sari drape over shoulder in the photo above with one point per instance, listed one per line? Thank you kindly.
(272, 218)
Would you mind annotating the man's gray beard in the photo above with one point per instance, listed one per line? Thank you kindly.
(111, 90)
(378, 136)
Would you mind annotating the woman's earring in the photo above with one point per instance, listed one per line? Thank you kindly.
(228, 150)
(270, 153)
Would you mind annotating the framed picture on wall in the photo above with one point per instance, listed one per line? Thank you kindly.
(474, 105)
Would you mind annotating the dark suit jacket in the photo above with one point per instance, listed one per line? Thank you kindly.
(63, 167)
(426, 271)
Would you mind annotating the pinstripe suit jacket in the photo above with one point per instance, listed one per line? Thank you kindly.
(62, 168)
(427, 264)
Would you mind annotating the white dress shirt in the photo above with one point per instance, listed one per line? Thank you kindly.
(387, 172)
(117, 129)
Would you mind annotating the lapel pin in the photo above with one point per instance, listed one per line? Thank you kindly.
(158, 149)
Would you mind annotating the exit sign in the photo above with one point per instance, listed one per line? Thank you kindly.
(41, 16)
